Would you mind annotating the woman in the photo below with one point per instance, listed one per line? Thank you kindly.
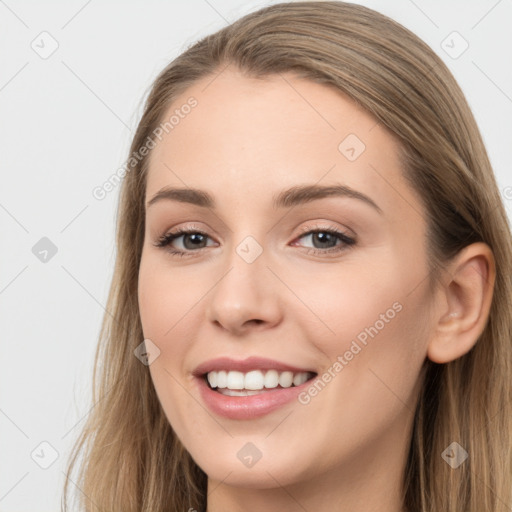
(312, 246)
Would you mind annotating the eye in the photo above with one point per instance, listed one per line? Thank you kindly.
(192, 240)
(326, 240)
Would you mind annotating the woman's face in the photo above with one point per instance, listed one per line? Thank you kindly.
(308, 261)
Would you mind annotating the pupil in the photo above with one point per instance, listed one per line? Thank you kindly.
(193, 237)
(324, 238)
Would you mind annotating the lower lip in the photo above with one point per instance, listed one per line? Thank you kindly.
(248, 407)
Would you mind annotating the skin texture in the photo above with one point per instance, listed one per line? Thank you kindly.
(246, 141)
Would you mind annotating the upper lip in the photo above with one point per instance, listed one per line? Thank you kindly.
(245, 365)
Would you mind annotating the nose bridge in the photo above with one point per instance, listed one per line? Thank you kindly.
(245, 292)
(249, 250)
(247, 278)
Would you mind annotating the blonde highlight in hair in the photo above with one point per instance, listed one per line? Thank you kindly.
(132, 460)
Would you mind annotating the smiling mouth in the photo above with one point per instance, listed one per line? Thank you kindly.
(254, 382)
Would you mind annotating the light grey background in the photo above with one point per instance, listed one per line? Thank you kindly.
(66, 122)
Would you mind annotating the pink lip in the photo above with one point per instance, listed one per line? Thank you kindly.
(245, 365)
(246, 407)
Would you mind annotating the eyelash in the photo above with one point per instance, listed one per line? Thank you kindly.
(165, 240)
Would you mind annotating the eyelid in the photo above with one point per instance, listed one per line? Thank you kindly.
(304, 230)
(331, 227)
(347, 240)
(188, 226)
(180, 231)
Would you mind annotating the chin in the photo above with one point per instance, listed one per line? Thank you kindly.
(250, 478)
(266, 473)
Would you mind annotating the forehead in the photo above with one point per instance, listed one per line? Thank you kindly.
(252, 137)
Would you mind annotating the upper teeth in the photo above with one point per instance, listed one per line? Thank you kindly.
(256, 379)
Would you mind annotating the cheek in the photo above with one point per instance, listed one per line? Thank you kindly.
(166, 304)
(166, 298)
(374, 323)
(163, 300)
(372, 374)
(354, 301)
(169, 305)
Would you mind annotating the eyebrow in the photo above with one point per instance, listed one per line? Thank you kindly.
(287, 198)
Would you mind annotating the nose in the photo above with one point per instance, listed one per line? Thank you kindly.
(246, 297)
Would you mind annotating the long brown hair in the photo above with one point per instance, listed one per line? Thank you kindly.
(131, 458)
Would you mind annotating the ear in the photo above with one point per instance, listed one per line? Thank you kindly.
(465, 300)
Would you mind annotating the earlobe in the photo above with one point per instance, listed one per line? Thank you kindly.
(467, 295)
